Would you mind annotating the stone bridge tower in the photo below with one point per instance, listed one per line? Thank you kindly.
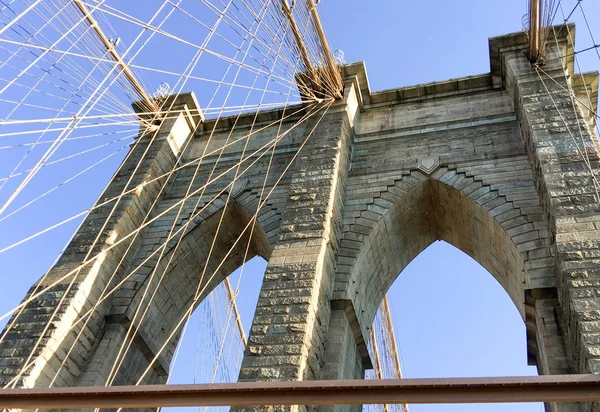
(498, 165)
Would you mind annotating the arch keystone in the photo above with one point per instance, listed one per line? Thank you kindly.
(428, 164)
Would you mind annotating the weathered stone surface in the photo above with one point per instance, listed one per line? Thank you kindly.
(485, 163)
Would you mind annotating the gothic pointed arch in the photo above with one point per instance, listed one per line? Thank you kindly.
(173, 283)
(492, 222)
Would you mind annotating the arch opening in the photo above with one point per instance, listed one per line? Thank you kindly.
(452, 319)
(211, 349)
(432, 211)
(183, 279)
(485, 222)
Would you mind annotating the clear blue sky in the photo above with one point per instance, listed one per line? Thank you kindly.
(451, 317)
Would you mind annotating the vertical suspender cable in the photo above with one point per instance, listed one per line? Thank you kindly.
(534, 30)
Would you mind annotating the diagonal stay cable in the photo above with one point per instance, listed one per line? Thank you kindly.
(88, 313)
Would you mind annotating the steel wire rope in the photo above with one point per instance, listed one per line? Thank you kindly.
(68, 157)
(49, 48)
(67, 128)
(589, 107)
(126, 86)
(245, 258)
(73, 66)
(71, 156)
(81, 266)
(114, 370)
(206, 326)
(87, 43)
(585, 154)
(196, 20)
(24, 157)
(183, 41)
(233, 19)
(42, 134)
(577, 4)
(222, 109)
(20, 16)
(268, 31)
(10, 2)
(183, 228)
(145, 261)
(125, 186)
(200, 291)
(579, 102)
(110, 200)
(35, 106)
(254, 14)
(54, 96)
(585, 157)
(26, 40)
(239, 278)
(128, 112)
(138, 36)
(89, 136)
(589, 27)
(28, 87)
(92, 43)
(251, 69)
(127, 17)
(64, 182)
(33, 297)
(203, 79)
(46, 155)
